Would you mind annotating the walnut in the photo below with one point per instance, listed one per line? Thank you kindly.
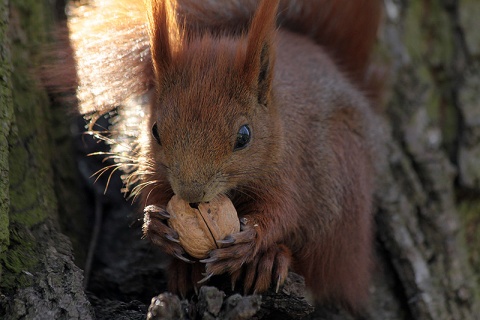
(199, 226)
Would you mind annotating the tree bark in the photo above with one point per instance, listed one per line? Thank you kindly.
(418, 221)
(38, 277)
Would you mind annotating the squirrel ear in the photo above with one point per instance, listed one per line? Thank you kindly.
(260, 55)
(164, 33)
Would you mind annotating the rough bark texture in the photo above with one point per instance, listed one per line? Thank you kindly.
(468, 106)
(427, 199)
(38, 277)
(418, 220)
(6, 118)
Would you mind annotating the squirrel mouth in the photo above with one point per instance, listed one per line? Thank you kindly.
(194, 205)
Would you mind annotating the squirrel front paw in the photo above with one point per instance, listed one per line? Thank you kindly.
(160, 234)
(241, 254)
(237, 249)
(267, 268)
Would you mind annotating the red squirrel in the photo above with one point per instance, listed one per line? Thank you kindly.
(266, 102)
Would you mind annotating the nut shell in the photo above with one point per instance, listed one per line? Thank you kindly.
(198, 229)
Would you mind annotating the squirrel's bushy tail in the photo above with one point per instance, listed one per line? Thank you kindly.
(346, 29)
(110, 41)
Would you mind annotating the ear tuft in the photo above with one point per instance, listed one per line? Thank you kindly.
(164, 33)
(260, 55)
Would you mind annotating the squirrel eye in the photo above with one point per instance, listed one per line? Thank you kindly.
(155, 133)
(243, 138)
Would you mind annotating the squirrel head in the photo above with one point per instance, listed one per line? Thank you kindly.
(213, 120)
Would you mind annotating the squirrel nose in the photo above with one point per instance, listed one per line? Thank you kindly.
(192, 192)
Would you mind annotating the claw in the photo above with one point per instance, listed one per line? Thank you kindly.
(169, 237)
(234, 277)
(227, 240)
(278, 285)
(164, 214)
(208, 260)
(181, 257)
(206, 278)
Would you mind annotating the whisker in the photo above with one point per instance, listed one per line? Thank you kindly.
(101, 171)
(139, 187)
(109, 178)
(102, 136)
(149, 193)
(112, 156)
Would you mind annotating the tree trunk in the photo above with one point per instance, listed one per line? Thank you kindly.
(427, 198)
(38, 277)
(429, 160)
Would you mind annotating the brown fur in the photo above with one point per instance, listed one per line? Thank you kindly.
(304, 182)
